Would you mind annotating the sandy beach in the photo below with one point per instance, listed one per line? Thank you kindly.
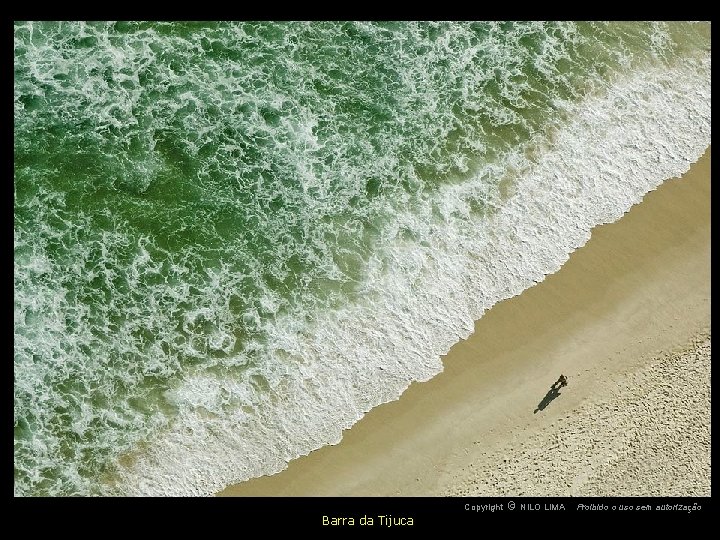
(626, 319)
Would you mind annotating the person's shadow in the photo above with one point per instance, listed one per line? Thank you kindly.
(552, 394)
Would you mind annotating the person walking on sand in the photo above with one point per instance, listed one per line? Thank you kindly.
(562, 381)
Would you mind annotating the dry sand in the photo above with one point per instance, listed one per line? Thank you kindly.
(647, 433)
(626, 319)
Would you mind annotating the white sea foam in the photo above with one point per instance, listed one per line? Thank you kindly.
(322, 373)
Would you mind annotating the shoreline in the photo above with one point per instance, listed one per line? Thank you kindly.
(640, 287)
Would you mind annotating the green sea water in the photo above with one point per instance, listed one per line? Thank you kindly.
(222, 230)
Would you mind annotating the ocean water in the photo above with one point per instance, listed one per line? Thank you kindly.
(232, 240)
